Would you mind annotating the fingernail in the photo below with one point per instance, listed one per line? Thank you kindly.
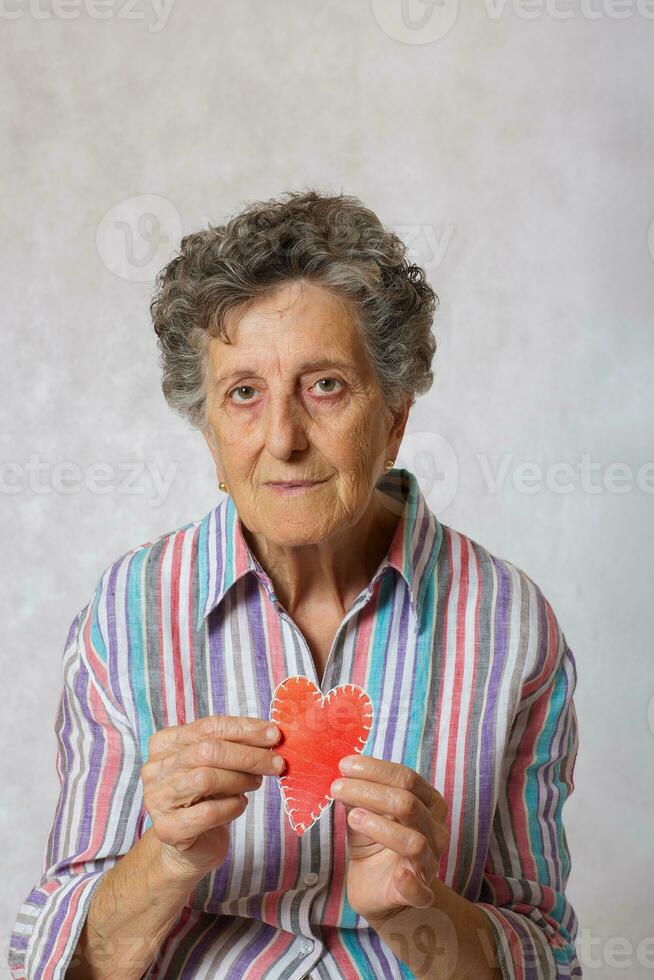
(349, 764)
(356, 816)
(272, 733)
(336, 786)
(278, 762)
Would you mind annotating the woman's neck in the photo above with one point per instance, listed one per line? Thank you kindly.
(329, 575)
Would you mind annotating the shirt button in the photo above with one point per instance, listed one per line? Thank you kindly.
(311, 878)
(306, 946)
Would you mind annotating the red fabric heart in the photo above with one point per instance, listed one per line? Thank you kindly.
(317, 731)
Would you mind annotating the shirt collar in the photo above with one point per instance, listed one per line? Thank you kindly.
(224, 556)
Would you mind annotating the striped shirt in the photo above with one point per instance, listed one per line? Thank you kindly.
(472, 683)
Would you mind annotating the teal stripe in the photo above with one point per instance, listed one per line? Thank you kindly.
(203, 567)
(230, 519)
(564, 853)
(138, 666)
(564, 954)
(379, 646)
(374, 682)
(96, 636)
(357, 954)
(534, 773)
(423, 667)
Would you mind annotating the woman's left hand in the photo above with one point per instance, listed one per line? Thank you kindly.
(396, 834)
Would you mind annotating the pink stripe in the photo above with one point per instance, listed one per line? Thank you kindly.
(64, 932)
(269, 955)
(552, 651)
(513, 939)
(516, 784)
(191, 622)
(107, 779)
(178, 678)
(340, 954)
(363, 646)
(162, 660)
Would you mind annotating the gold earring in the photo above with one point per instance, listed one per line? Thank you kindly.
(222, 486)
(390, 463)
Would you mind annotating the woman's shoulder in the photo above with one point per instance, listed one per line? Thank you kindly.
(155, 567)
(162, 541)
(511, 608)
(466, 556)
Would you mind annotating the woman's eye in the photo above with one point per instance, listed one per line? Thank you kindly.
(328, 391)
(241, 388)
(325, 385)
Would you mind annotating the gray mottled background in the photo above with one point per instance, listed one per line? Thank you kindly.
(511, 144)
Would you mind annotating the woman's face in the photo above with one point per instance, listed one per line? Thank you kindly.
(294, 397)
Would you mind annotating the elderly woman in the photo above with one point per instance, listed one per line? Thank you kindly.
(296, 338)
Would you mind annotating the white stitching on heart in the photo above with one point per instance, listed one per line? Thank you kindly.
(306, 682)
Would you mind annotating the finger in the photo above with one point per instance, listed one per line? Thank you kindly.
(414, 892)
(358, 844)
(189, 785)
(393, 774)
(229, 755)
(187, 823)
(405, 841)
(398, 803)
(235, 728)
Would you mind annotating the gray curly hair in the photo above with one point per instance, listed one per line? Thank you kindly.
(333, 241)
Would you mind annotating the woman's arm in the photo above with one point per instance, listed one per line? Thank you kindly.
(94, 833)
(528, 864)
(131, 913)
(530, 926)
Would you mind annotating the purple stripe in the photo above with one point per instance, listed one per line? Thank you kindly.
(254, 949)
(375, 942)
(111, 626)
(272, 799)
(61, 913)
(94, 764)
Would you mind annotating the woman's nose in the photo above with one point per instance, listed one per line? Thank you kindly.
(285, 426)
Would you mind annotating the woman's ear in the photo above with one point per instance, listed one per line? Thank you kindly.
(399, 418)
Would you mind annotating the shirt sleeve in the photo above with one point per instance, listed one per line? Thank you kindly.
(97, 812)
(528, 862)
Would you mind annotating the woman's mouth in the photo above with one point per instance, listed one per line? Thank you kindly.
(296, 486)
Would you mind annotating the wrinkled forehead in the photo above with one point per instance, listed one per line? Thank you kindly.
(298, 328)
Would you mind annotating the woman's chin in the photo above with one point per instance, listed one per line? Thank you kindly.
(290, 522)
(293, 535)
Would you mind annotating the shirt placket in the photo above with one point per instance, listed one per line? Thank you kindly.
(317, 859)
(331, 674)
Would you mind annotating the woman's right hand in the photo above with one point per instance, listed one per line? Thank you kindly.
(194, 785)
